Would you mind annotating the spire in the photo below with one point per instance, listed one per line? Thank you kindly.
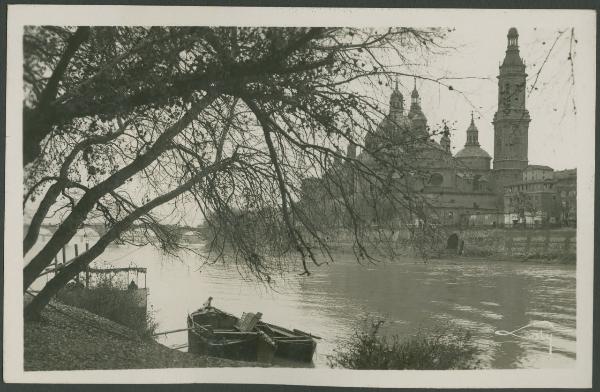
(415, 100)
(415, 93)
(445, 140)
(415, 114)
(396, 100)
(513, 38)
(512, 57)
(414, 96)
(472, 134)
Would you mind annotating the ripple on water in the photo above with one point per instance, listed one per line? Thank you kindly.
(489, 303)
(480, 312)
(550, 316)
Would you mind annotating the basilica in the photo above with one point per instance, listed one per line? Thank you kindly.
(470, 187)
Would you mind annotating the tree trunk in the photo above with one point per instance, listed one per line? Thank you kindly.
(79, 263)
(39, 216)
(69, 227)
(56, 188)
(37, 123)
(39, 302)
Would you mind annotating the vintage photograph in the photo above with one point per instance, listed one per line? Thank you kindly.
(361, 197)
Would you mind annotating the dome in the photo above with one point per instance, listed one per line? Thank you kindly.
(397, 95)
(395, 123)
(473, 152)
(472, 148)
(512, 32)
(417, 115)
(390, 130)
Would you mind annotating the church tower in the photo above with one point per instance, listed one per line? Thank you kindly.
(396, 105)
(416, 115)
(511, 121)
(445, 140)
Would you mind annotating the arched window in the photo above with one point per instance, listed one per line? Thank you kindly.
(436, 179)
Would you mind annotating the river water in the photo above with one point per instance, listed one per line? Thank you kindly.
(489, 298)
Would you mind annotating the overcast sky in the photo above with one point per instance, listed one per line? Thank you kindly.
(477, 54)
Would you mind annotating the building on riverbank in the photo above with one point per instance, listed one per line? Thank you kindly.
(543, 196)
(470, 188)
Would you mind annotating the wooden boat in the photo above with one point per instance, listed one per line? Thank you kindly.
(295, 345)
(216, 333)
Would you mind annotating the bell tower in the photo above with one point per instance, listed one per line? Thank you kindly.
(396, 104)
(511, 121)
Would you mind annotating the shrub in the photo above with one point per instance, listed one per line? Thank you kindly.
(438, 349)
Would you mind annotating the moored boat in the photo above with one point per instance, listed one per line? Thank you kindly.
(214, 332)
(295, 345)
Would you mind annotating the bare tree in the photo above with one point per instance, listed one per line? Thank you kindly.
(523, 206)
(230, 121)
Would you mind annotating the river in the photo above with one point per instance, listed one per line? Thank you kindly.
(483, 296)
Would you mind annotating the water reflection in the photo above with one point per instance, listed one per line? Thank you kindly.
(483, 296)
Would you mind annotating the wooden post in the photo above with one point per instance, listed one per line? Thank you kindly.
(64, 252)
(76, 254)
(87, 268)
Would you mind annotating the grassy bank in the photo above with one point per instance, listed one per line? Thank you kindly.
(69, 338)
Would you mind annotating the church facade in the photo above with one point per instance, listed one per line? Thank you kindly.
(470, 188)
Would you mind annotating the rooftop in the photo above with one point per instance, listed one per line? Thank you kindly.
(538, 167)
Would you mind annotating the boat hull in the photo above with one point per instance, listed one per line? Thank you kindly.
(297, 351)
(226, 343)
(213, 332)
(244, 349)
(295, 345)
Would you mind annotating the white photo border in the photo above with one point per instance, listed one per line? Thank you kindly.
(20, 15)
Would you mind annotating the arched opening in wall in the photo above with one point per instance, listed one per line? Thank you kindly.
(436, 179)
(452, 242)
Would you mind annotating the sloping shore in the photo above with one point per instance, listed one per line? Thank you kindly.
(69, 338)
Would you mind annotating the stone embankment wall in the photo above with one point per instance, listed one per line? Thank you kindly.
(514, 243)
(520, 243)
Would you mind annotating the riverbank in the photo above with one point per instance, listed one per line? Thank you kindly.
(406, 253)
(69, 338)
(541, 246)
(568, 259)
